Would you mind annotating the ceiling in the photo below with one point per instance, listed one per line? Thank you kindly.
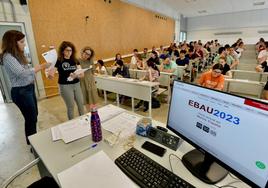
(193, 8)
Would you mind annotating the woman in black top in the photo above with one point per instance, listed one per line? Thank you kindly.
(70, 89)
(154, 57)
(121, 70)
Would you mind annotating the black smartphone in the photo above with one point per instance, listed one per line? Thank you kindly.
(154, 148)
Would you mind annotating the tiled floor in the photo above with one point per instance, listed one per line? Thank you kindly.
(15, 153)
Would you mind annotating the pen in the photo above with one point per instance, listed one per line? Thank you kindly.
(90, 147)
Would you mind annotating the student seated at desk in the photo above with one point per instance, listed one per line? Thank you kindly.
(264, 68)
(117, 57)
(121, 70)
(263, 55)
(145, 55)
(223, 53)
(139, 63)
(182, 60)
(226, 71)
(152, 75)
(168, 66)
(101, 69)
(155, 58)
(133, 61)
(213, 79)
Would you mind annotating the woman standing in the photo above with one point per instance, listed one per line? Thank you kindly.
(87, 83)
(68, 81)
(21, 76)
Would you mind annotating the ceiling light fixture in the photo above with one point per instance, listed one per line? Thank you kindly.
(202, 11)
(260, 3)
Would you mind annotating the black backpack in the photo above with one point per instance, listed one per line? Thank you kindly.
(155, 103)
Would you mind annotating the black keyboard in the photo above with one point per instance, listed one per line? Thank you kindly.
(148, 173)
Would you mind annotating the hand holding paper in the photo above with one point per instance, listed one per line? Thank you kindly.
(76, 73)
(50, 57)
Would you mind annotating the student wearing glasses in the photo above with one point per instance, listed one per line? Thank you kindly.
(213, 79)
(87, 82)
(68, 81)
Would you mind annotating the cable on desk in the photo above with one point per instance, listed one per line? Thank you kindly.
(229, 184)
(19, 172)
(170, 160)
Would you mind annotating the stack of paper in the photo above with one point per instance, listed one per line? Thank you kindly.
(96, 171)
(79, 128)
(71, 130)
(125, 125)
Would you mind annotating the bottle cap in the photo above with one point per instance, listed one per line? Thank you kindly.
(93, 108)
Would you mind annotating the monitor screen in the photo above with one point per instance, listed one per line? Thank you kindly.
(232, 129)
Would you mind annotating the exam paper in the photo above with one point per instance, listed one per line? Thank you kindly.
(109, 111)
(78, 71)
(73, 130)
(96, 171)
(78, 128)
(125, 124)
(56, 134)
(51, 57)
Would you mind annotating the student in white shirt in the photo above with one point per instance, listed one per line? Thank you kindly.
(101, 69)
(133, 61)
(263, 55)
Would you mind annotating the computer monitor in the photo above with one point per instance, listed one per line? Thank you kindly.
(228, 131)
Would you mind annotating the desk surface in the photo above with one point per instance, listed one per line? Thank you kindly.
(128, 80)
(56, 156)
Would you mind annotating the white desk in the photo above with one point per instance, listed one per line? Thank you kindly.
(164, 79)
(56, 156)
(250, 75)
(246, 87)
(128, 87)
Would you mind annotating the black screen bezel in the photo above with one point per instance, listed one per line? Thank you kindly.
(230, 169)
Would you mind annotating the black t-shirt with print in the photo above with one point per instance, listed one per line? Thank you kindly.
(65, 68)
(226, 68)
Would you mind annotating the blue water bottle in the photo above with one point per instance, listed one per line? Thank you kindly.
(95, 125)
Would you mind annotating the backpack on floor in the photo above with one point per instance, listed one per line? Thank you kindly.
(155, 103)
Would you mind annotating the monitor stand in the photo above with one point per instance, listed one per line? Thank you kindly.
(203, 167)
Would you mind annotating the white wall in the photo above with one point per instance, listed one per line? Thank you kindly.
(158, 6)
(23, 15)
(247, 22)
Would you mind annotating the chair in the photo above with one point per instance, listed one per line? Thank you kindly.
(109, 70)
(19, 172)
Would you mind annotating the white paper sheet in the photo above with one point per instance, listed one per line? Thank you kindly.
(78, 128)
(125, 124)
(56, 134)
(51, 57)
(73, 130)
(96, 171)
(109, 111)
(77, 72)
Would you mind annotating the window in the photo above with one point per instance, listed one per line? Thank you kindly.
(183, 36)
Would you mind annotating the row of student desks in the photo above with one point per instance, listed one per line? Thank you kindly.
(133, 88)
(56, 156)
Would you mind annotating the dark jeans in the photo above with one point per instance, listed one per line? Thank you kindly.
(24, 97)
